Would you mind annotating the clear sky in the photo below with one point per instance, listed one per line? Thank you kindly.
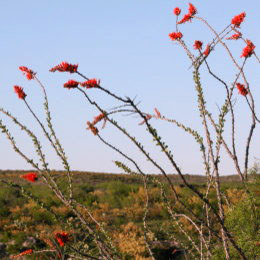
(125, 44)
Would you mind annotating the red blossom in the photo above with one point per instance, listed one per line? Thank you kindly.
(197, 45)
(248, 50)
(158, 114)
(92, 128)
(91, 83)
(238, 19)
(186, 18)
(235, 36)
(241, 89)
(26, 252)
(175, 36)
(192, 9)
(98, 118)
(19, 91)
(65, 67)
(207, 50)
(177, 11)
(62, 237)
(147, 117)
(27, 72)
(71, 84)
(30, 176)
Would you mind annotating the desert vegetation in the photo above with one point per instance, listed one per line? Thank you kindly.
(47, 214)
(116, 201)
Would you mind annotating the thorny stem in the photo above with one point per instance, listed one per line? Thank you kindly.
(150, 159)
(139, 146)
(184, 180)
(213, 43)
(54, 188)
(121, 153)
(144, 177)
(249, 92)
(104, 90)
(151, 130)
(165, 198)
(98, 224)
(202, 108)
(83, 254)
(229, 94)
(60, 151)
(252, 110)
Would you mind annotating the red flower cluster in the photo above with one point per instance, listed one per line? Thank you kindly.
(235, 36)
(26, 252)
(177, 11)
(92, 128)
(19, 91)
(71, 84)
(187, 17)
(30, 176)
(65, 67)
(98, 118)
(207, 51)
(241, 89)
(27, 72)
(157, 113)
(175, 36)
(192, 9)
(91, 125)
(197, 45)
(238, 19)
(62, 237)
(248, 50)
(91, 83)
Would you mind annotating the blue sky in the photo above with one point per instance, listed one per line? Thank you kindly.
(125, 44)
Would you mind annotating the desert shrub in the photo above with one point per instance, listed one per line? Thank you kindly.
(131, 242)
(86, 188)
(84, 194)
(41, 216)
(116, 193)
(243, 221)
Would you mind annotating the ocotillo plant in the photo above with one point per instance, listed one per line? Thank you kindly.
(211, 235)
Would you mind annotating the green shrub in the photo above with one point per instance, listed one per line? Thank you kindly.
(244, 226)
(42, 217)
(117, 193)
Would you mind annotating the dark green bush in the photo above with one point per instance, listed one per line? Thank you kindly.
(116, 193)
(42, 217)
